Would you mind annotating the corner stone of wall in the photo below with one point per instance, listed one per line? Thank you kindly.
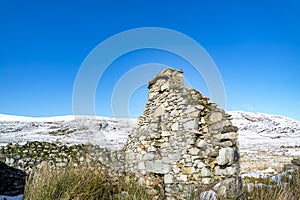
(183, 142)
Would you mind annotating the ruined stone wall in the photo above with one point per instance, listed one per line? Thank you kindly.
(26, 156)
(19, 160)
(183, 142)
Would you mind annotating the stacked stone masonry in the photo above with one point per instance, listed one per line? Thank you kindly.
(183, 140)
(182, 143)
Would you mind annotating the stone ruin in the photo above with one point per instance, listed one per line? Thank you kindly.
(183, 143)
(183, 146)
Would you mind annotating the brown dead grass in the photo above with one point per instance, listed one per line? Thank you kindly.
(81, 183)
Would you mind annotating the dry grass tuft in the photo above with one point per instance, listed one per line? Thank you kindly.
(96, 182)
(287, 189)
(81, 183)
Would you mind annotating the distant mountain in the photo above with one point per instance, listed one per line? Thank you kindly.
(265, 125)
(265, 140)
(102, 131)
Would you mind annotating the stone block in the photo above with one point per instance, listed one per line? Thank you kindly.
(202, 144)
(175, 126)
(168, 179)
(228, 171)
(194, 151)
(226, 156)
(191, 125)
(157, 167)
(166, 133)
(188, 170)
(205, 172)
(182, 177)
(159, 111)
(215, 117)
(141, 166)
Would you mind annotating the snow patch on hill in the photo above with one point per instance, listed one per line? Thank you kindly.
(102, 131)
(266, 140)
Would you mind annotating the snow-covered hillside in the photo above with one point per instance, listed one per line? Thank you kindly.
(265, 140)
(102, 131)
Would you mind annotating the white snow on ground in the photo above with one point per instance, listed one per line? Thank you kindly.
(260, 173)
(102, 131)
(266, 140)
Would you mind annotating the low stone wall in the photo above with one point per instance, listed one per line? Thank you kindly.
(27, 156)
(19, 160)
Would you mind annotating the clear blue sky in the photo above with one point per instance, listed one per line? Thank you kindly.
(255, 44)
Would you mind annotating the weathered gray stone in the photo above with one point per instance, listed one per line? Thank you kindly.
(165, 86)
(141, 166)
(188, 170)
(215, 117)
(194, 151)
(228, 188)
(174, 156)
(228, 171)
(226, 136)
(148, 156)
(205, 172)
(168, 179)
(175, 126)
(61, 164)
(220, 125)
(207, 181)
(152, 95)
(159, 111)
(226, 156)
(166, 133)
(131, 156)
(151, 149)
(182, 178)
(201, 144)
(157, 167)
(194, 114)
(174, 113)
(200, 164)
(191, 125)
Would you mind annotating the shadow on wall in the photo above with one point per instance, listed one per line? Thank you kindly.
(12, 180)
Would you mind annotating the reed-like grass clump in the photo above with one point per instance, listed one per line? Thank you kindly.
(95, 182)
(81, 182)
(288, 188)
